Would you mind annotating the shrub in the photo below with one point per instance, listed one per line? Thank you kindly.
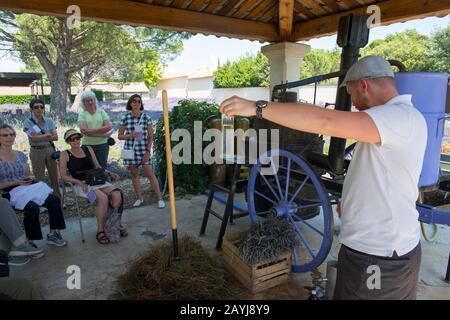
(98, 93)
(25, 98)
(193, 178)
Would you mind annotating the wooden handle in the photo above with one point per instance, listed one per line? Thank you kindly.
(173, 214)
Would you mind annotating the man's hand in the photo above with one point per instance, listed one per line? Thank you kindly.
(236, 106)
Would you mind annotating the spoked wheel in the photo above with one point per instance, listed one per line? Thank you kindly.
(282, 190)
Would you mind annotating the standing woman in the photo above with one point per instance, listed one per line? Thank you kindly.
(136, 129)
(95, 127)
(41, 134)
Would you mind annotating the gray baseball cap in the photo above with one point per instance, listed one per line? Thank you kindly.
(369, 67)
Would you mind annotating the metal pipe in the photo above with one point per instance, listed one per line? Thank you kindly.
(304, 82)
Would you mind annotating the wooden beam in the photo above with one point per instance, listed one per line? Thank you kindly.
(141, 14)
(285, 18)
(269, 14)
(228, 8)
(246, 8)
(392, 11)
(213, 6)
(262, 8)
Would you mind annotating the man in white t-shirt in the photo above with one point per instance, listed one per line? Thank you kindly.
(380, 229)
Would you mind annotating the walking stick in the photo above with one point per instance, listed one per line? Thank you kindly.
(173, 214)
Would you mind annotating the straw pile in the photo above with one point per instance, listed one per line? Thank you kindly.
(196, 276)
(267, 239)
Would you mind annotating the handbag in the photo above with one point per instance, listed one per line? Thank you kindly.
(128, 154)
(111, 141)
(43, 132)
(95, 177)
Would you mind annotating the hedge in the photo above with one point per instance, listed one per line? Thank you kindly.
(192, 178)
(25, 98)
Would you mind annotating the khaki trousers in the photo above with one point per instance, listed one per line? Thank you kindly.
(41, 159)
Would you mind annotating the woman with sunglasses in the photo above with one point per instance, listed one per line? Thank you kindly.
(78, 159)
(95, 126)
(15, 172)
(41, 131)
(136, 129)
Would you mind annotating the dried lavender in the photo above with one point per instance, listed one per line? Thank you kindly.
(267, 239)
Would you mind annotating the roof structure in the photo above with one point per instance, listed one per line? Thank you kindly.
(18, 79)
(261, 20)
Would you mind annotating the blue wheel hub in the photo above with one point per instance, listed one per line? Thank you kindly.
(284, 209)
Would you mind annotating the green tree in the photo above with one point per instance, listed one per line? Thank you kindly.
(409, 47)
(440, 50)
(88, 51)
(248, 71)
(319, 61)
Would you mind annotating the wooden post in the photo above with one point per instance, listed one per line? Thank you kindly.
(173, 214)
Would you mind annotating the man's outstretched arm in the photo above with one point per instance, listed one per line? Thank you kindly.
(309, 118)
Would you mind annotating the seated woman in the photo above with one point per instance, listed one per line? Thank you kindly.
(78, 159)
(15, 172)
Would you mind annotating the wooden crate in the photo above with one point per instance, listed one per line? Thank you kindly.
(259, 276)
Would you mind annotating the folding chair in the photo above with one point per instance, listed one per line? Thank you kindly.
(75, 197)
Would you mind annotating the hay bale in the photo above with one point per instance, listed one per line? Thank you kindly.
(196, 276)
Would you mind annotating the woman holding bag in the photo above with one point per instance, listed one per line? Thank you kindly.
(136, 129)
(74, 163)
(19, 188)
(41, 131)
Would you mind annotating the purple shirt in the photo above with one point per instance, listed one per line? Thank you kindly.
(11, 171)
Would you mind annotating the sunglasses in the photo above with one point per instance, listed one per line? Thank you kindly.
(74, 139)
(137, 101)
(6, 135)
(38, 107)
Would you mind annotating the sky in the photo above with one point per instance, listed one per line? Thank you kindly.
(202, 52)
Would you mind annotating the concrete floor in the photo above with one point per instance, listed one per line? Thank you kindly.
(100, 265)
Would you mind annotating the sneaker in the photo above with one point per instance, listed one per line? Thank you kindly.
(25, 249)
(18, 260)
(38, 256)
(161, 204)
(56, 239)
(138, 202)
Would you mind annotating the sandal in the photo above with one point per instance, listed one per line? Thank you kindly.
(102, 239)
(123, 233)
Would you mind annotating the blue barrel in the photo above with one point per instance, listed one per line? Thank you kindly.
(429, 91)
